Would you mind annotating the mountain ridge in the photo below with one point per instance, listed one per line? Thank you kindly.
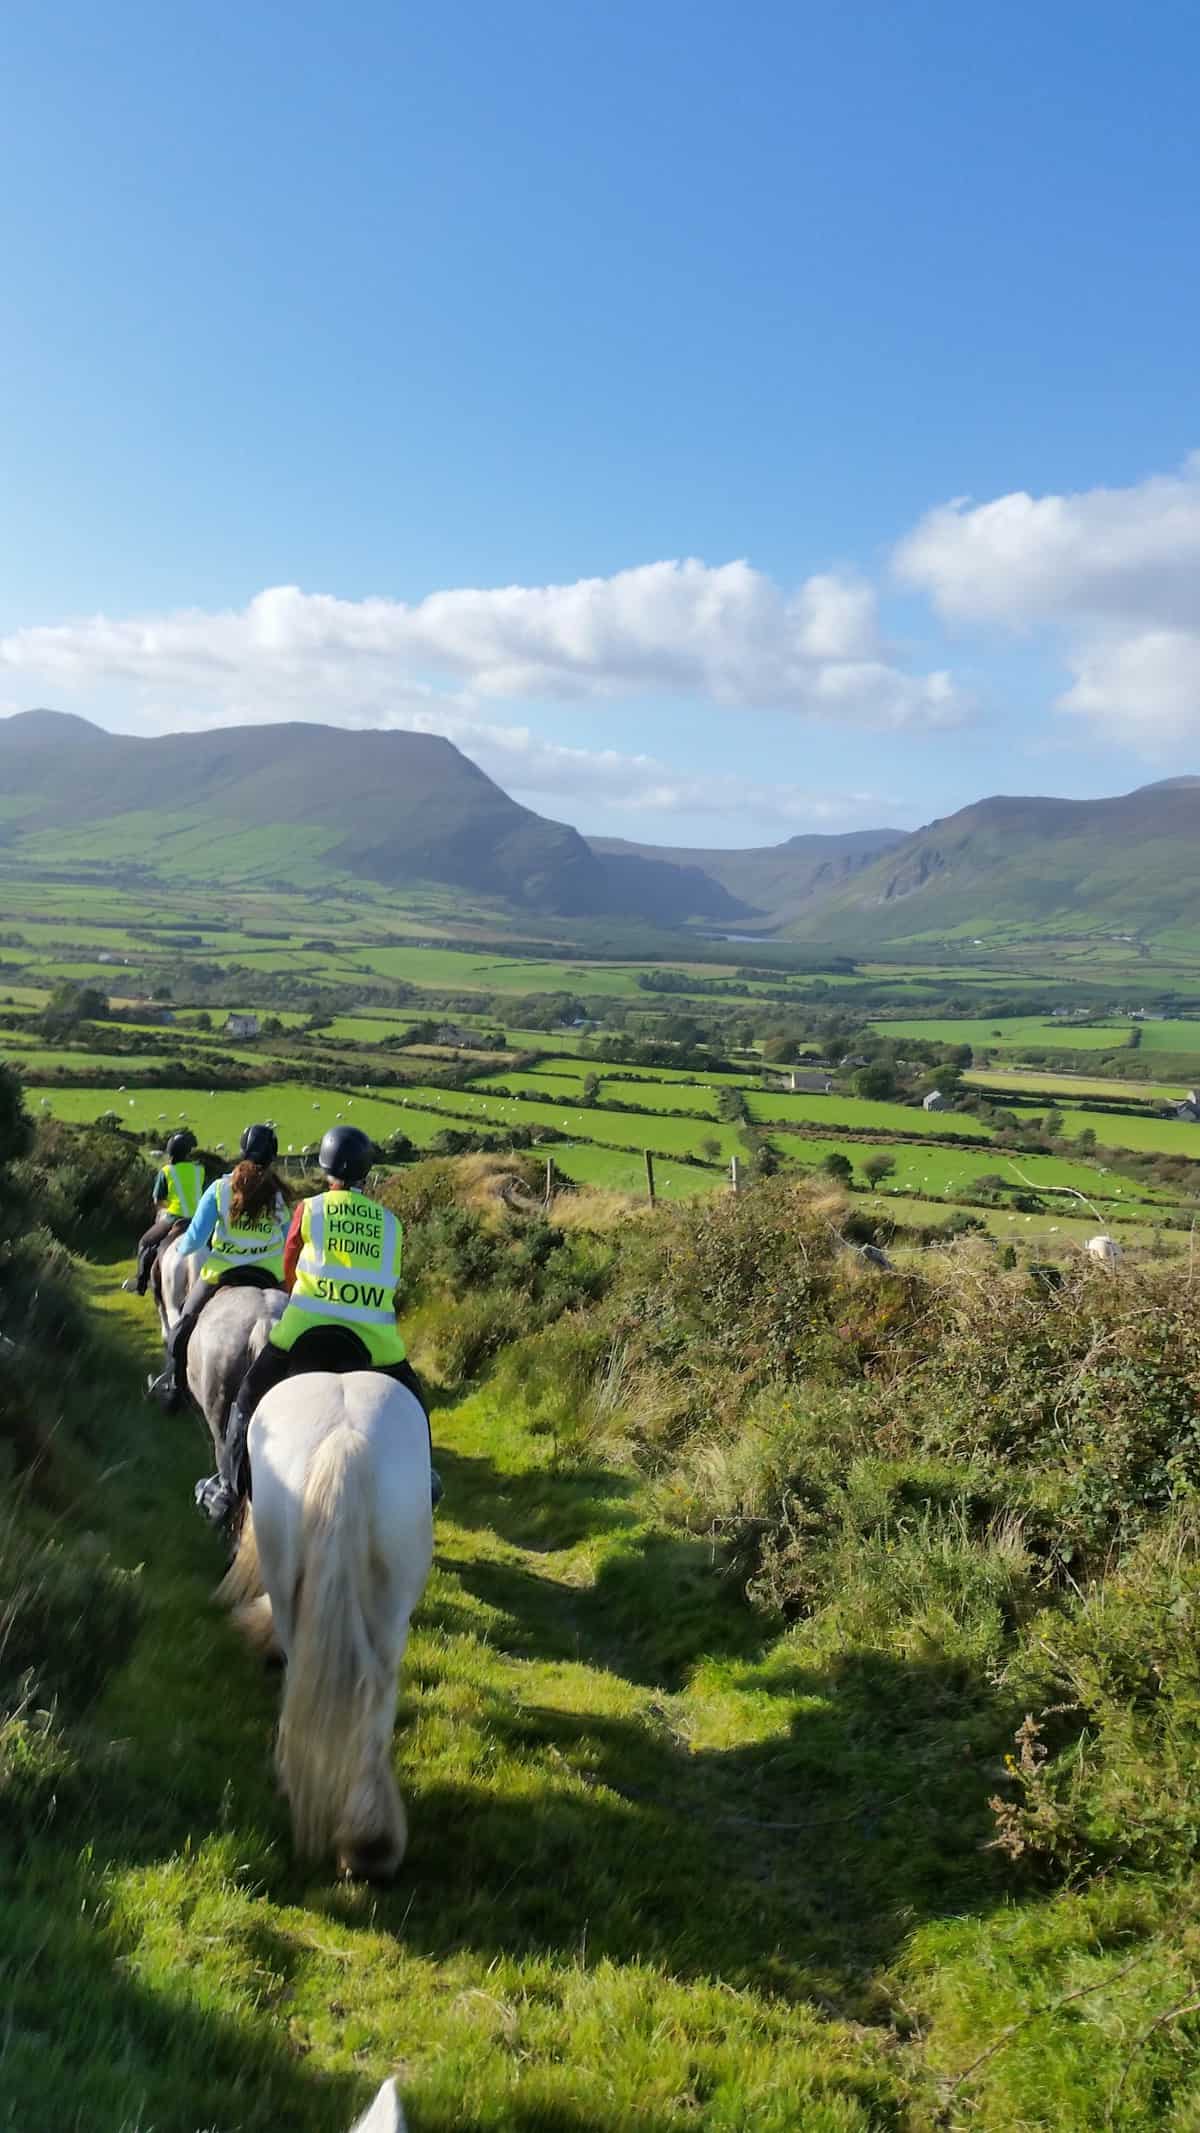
(299, 802)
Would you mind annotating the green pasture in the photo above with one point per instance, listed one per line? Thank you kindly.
(21, 995)
(615, 1129)
(1035, 1081)
(1013, 1033)
(1179, 1037)
(936, 1173)
(856, 1113)
(300, 1115)
(614, 1170)
(1149, 1136)
(656, 1096)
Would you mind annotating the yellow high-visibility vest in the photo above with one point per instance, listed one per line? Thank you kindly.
(185, 1187)
(346, 1274)
(257, 1243)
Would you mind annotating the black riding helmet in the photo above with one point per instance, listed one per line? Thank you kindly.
(180, 1145)
(346, 1154)
(259, 1145)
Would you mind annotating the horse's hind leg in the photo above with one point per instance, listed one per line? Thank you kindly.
(372, 1834)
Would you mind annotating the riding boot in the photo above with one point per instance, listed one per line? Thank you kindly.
(219, 1496)
(165, 1389)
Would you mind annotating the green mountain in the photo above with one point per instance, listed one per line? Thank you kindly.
(772, 883)
(297, 804)
(1011, 866)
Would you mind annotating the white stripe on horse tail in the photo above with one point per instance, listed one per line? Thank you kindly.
(339, 1694)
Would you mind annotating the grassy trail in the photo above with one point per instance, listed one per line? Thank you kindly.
(661, 1875)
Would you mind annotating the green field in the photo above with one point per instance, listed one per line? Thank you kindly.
(858, 1114)
(1037, 1081)
(300, 1115)
(1179, 1037)
(1015, 1033)
(611, 1170)
(1154, 1136)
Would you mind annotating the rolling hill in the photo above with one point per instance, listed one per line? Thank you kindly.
(301, 804)
(296, 803)
(1125, 866)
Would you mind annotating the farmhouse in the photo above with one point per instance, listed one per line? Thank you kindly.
(935, 1101)
(466, 1040)
(814, 1082)
(241, 1025)
(1189, 1110)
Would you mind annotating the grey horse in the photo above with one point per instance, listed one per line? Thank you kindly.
(233, 1331)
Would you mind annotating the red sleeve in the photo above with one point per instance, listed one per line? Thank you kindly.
(291, 1250)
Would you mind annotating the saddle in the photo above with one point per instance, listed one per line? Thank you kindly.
(331, 1348)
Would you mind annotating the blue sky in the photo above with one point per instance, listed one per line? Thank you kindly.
(423, 312)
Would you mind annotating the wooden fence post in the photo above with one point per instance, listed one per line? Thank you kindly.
(735, 1173)
(650, 1177)
(549, 1180)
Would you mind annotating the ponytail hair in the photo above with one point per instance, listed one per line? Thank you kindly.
(254, 1191)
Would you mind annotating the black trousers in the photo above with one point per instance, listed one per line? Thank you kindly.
(160, 1229)
(200, 1294)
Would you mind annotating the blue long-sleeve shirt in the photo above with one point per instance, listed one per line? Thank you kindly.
(198, 1235)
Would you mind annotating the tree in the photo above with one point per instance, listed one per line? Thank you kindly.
(591, 1088)
(877, 1083)
(1086, 1141)
(839, 1167)
(877, 1168)
(710, 1149)
(1052, 1124)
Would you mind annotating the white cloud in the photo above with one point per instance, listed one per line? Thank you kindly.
(545, 772)
(726, 636)
(1116, 572)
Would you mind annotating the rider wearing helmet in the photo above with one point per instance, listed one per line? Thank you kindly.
(341, 1270)
(177, 1190)
(240, 1225)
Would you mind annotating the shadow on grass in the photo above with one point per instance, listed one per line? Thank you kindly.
(85, 2044)
(542, 1509)
(795, 1865)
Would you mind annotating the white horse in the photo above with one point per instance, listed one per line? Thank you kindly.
(330, 1565)
(386, 2114)
(233, 1330)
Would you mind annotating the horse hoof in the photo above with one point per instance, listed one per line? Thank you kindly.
(377, 1859)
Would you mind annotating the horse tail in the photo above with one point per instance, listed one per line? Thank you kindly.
(241, 1591)
(338, 1697)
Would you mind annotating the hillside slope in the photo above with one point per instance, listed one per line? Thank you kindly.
(771, 883)
(392, 807)
(1128, 865)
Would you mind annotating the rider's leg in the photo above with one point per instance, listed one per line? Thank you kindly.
(147, 1250)
(168, 1386)
(220, 1494)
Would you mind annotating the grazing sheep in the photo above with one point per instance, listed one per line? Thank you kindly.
(1104, 1250)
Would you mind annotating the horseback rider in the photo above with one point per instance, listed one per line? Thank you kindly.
(241, 1224)
(178, 1187)
(341, 1270)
